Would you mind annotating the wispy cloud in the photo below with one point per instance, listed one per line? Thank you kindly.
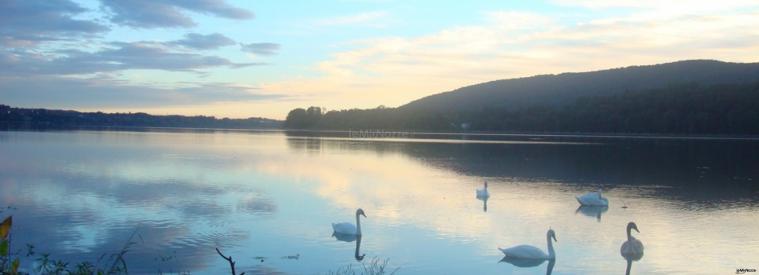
(119, 56)
(203, 41)
(103, 91)
(372, 18)
(168, 13)
(25, 23)
(261, 48)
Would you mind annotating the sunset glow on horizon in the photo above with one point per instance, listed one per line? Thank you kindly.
(262, 59)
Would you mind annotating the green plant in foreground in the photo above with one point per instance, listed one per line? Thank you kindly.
(7, 266)
(114, 265)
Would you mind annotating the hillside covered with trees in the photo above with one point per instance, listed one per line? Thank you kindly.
(11, 117)
(688, 97)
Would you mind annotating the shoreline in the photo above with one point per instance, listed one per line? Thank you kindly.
(378, 134)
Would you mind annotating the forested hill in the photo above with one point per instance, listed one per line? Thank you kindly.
(697, 97)
(564, 88)
(43, 118)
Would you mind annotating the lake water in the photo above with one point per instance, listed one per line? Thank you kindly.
(263, 196)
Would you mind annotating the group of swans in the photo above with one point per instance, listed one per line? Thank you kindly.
(520, 255)
(591, 203)
(528, 255)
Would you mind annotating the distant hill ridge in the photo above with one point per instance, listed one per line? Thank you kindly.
(691, 97)
(510, 93)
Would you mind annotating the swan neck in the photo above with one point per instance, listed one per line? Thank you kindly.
(551, 253)
(629, 233)
(358, 225)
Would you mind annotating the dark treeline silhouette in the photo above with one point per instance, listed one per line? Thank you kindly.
(11, 117)
(688, 97)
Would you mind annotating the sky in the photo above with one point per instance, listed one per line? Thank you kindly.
(263, 58)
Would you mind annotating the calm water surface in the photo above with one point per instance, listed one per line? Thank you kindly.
(79, 194)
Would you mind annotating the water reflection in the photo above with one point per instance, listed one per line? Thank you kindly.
(530, 263)
(351, 238)
(678, 164)
(592, 211)
(629, 266)
(345, 237)
(484, 203)
(358, 247)
(80, 194)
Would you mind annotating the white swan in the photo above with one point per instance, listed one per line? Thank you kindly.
(483, 193)
(632, 248)
(346, 228)
(531, 252)
(593, 199)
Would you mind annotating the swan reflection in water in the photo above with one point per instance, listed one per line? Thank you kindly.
(484, 203)
(521, 262)
(592, 211)
(351, 238)
(483, 195)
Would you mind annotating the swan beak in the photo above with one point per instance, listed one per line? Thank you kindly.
(554, 239)
(636, 229)
(362, 214)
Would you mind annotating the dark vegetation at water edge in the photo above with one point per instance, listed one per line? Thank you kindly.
(11, 117)
(688, 97)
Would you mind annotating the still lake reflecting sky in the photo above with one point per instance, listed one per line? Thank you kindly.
(269, 195)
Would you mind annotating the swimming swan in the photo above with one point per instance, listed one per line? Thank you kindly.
(593, 199)
(632, 248)
(346, 228)
(483, 193)
(531, 252)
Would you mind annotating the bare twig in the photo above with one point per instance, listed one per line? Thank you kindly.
(231, 262)
(119, 257)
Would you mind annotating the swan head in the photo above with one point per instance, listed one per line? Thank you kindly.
(551, 234)
(360, 212)
(632, 226)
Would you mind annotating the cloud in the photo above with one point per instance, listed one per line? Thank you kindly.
(105, 92)
(372, 18)
(508, 44)
(673, 6)
(26, 23)
(119, 56)
(168, 13)
(261, 48)
(204, 42)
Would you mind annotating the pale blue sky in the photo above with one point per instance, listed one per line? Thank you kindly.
(263, 58)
